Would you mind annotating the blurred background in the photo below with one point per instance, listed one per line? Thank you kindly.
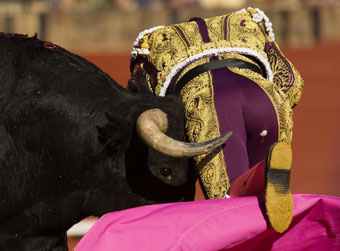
(307, 31)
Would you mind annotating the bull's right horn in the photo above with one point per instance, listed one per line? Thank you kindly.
(151, 126)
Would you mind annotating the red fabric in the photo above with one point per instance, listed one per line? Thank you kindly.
(251, 183)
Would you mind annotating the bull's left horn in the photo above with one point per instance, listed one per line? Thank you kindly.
(151, 126)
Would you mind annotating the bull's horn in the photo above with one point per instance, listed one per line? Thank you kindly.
(151, 126)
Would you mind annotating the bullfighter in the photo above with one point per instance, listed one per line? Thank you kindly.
(231, 75)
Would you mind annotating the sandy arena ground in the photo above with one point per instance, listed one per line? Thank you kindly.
(316, 164)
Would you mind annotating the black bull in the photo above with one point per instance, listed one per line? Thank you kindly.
(68, 146)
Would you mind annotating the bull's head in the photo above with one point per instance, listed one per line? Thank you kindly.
(162, 129)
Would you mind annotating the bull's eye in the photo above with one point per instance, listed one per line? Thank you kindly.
(166, 171)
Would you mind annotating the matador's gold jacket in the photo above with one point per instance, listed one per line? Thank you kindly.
(168, 52)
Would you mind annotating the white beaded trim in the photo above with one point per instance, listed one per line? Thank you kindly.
(136, 51)
(215, 52)
(258, 17)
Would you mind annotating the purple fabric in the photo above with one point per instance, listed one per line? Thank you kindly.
(203, 30)
(244, 108)
(221, 224)
(225, 28)
(183, 36)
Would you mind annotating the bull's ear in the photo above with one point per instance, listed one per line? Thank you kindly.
(139, 83)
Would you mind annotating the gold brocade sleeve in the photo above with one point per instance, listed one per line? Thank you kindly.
(202, 125)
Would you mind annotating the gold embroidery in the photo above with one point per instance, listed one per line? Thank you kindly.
(168, 46)
(215, 28)
(191, 32)
(243, 32)
(202, 125)
(286, 77)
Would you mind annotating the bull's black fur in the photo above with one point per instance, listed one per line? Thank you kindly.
(68, 148)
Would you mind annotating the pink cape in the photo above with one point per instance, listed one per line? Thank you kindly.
(222, 224)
